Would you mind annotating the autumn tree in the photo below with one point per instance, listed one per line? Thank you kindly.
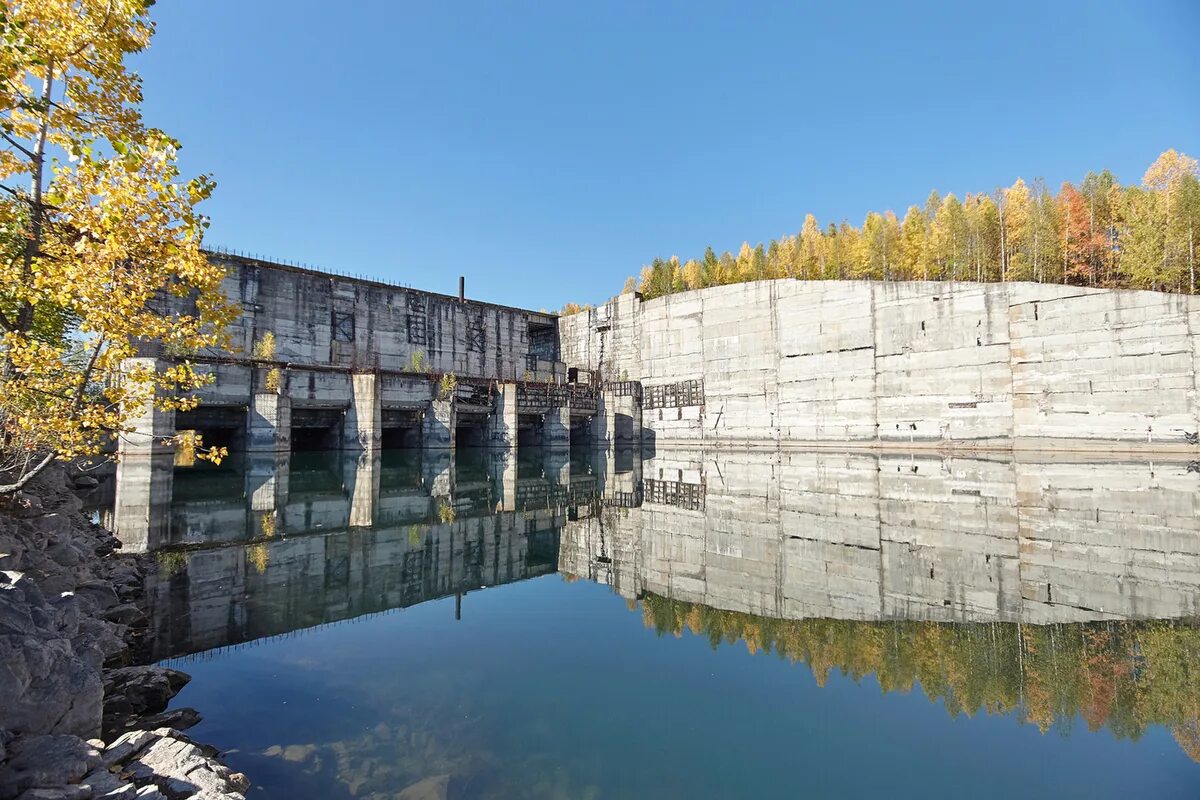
(913, 264)
(1016, 233)
(1173, 177)
(812, 250)
(983, 237)
(1076, 230)
(1096, 233)
(948, 238)
(99, 235)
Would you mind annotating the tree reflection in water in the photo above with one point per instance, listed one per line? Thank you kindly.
(1123, 676)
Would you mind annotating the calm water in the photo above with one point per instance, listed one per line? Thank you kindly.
(683, 626)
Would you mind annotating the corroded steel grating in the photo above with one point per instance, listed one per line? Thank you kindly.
(416, 320)
(476, 333)
(674, 395)
(674, 493)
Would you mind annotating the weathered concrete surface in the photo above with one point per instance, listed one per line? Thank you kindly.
(1007, 366)
(323, 319)
(352, 536)
(352, 359)
(862, 536)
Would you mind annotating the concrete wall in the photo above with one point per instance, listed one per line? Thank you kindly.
(791, 363)
(904, 536)
(329, 320)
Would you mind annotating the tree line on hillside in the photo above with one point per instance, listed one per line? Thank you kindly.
(1123, 676)
(1097, 233)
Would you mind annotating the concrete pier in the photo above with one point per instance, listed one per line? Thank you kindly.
(141, 511)
(363, 428)
(269, 426)
(503, 422)
(618, 420)
(556, 427)
(438, 425)
(152, 426)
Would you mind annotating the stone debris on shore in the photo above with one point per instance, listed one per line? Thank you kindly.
(77, 721)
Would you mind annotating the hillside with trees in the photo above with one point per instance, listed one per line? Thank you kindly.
(1098, 233)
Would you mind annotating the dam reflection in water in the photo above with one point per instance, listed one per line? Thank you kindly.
(1057, 594)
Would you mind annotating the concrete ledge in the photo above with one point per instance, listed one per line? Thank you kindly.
(1020, 445)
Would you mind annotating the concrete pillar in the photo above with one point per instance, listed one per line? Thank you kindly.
(142, 510)
(267, 481)
(618, 421)
(437, 425)
(601, 425)
(364, 418)
(556, 466)
(361, 474)
(502, 424)
(152, 427)
(556, 427)
(269, 423)
(634, 407)
(502, 468)
(437, 472)
(603, 464)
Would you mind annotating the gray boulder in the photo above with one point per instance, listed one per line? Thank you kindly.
(46, 762)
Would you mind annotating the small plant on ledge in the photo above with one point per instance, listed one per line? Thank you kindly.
(264, 348)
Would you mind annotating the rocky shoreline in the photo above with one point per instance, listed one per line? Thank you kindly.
(77, 719)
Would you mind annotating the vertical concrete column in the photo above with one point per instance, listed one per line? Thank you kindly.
(364, 418)
(267, 481)
(437, 425)
(361, 474)
(618, 421)
(556, 427)
(142, 510)
(502, 468)
(556, 466)
(602, 462)
(601, 425)
(269, 423)
(633, 407)
(437, 472)
(502, 424)
(151, 426)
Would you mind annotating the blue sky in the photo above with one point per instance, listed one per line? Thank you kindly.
(547, 150)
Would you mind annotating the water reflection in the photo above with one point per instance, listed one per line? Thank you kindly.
(1059, 591)
(261, 547)
(853, 536)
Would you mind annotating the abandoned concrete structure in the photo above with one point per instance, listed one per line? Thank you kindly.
(787, 363)
(361, 365)
(274, 545)
(1033, 538)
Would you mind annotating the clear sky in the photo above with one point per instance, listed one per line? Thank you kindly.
(547, 150)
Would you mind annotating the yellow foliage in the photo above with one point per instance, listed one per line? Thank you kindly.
(264, 348)
(258, 556)
(170, 562)
(1144, 236)
(416, 361)
(93, 242)
(274, 380)
(447, 386)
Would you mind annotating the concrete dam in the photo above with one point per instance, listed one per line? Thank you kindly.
(359, 365)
